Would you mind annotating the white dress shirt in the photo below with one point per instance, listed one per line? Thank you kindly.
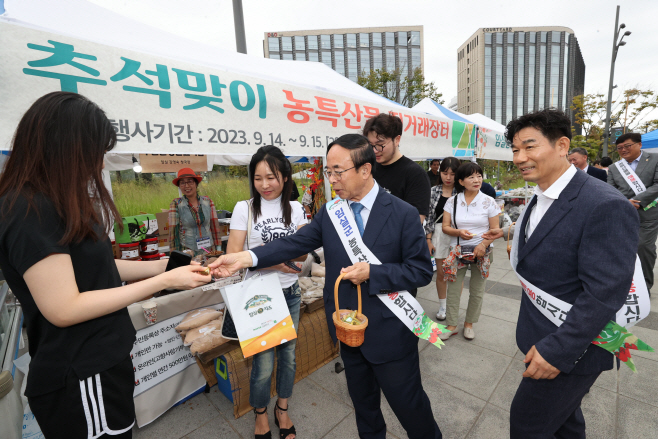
(546, 198)
(367, 203)
(635, 162)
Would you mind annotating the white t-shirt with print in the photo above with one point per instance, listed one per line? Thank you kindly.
(268, 227)
(474, 217)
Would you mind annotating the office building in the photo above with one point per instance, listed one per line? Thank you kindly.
(351, 51)
(506, 72)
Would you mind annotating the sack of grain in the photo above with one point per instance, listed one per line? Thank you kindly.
(317, 270)
(197, 318)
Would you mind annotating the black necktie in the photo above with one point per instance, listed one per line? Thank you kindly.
(524, 223)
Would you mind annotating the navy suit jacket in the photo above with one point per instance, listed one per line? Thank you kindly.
(395, 235)
(583, 252)
(597, 173)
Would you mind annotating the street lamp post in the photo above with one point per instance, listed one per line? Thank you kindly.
(615, 47)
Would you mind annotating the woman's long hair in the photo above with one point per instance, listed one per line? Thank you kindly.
(448, 163)
(58, 151)
(280, 166)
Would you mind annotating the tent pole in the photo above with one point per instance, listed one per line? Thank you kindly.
(238, 20)
(327, 185)
(498, 176)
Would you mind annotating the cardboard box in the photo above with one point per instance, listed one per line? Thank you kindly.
(163, 228)
(135, 228)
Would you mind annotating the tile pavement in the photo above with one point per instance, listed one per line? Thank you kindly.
(470, 384)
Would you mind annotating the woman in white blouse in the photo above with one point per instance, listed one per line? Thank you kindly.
(466, 217)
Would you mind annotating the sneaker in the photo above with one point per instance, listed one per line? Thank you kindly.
(446, 335)
(441, 315)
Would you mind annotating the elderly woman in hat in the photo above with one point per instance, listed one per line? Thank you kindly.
(193, 221)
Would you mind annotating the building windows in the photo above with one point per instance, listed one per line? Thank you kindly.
(352, 66)
(533, 37)
(338, 42)
(377, 63)
(531, 78)
(390, 38)
(325, 41)
(273, 44)
(326, 58)
(542, 78)
(312, 42)
(350, 41)
(364, 40)
(403, 61)
(521, 36)
(487, 38)
(313, 56)
(543, 37)
(510, 37)
(415, 38)
(339, 59)
(565, 76)
(300, 56)
(520, 67)
(402, 38)
(377, 39)
(555, 36)
(286, 44)
(390, 60)
(287, 56)
(365, 61)
(499, 38)
(299, 43)
(274, 55)
(415, 58)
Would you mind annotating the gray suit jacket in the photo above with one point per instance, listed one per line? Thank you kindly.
(647, 170)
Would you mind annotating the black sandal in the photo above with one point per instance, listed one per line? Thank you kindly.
(283, 432)
(267, 435)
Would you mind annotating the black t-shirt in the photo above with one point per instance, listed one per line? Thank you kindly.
(438, 212)
(406, 180)
(87, 348)
(434, 179)
(487, 189)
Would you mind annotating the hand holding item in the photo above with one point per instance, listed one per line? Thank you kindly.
(284, 268)
(431, 246)
(188, 277)
(465, 234)
(228, 265)
(539, 368)
(635, 203)
(493, 234)
(479, 250)
(357, 273)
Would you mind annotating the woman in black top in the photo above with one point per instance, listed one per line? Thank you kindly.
(57, 258)
(437, 241)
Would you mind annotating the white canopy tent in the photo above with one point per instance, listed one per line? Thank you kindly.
(491, 143)
(165, 94)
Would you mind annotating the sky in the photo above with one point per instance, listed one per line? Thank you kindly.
(447, 24)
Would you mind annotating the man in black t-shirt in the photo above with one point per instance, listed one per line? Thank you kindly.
(394, 172)
(433, 173)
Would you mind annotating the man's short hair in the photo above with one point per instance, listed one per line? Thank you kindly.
(435, 160)
(597, 162)
(553, 124)
(384, 124)
(361, 151)
(635, 137)
(606, 162)
(581, 151)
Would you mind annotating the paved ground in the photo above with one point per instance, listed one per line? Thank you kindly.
(471, 385)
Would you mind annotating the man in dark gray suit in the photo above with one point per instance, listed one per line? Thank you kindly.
(578, 158)
(642, 166)
(559, 256)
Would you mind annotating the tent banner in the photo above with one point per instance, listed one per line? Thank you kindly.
(173, 162)
(492, 145)
(166, 105)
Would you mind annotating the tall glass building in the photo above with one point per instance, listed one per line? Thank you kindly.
(506, 72)
(351, 51)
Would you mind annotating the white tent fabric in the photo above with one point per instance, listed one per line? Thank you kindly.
(168, 95)
(491, 143)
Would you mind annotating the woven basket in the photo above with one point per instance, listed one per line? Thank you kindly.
(351, 335)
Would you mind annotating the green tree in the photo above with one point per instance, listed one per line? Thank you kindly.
(405, 90)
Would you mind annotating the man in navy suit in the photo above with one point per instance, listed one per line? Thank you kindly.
(387, 361)
(558, 249)
(578, 158)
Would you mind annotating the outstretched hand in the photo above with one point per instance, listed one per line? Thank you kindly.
(228, 265)
(493, 234)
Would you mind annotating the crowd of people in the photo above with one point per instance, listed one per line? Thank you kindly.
(57, 259)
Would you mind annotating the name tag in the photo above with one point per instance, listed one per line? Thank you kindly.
(203, 243)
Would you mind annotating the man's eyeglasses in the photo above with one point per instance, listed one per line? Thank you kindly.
(626, 146)
(379, 148)
(337, 174)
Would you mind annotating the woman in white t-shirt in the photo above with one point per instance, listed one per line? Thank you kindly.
(273, 217)
(474, 214)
